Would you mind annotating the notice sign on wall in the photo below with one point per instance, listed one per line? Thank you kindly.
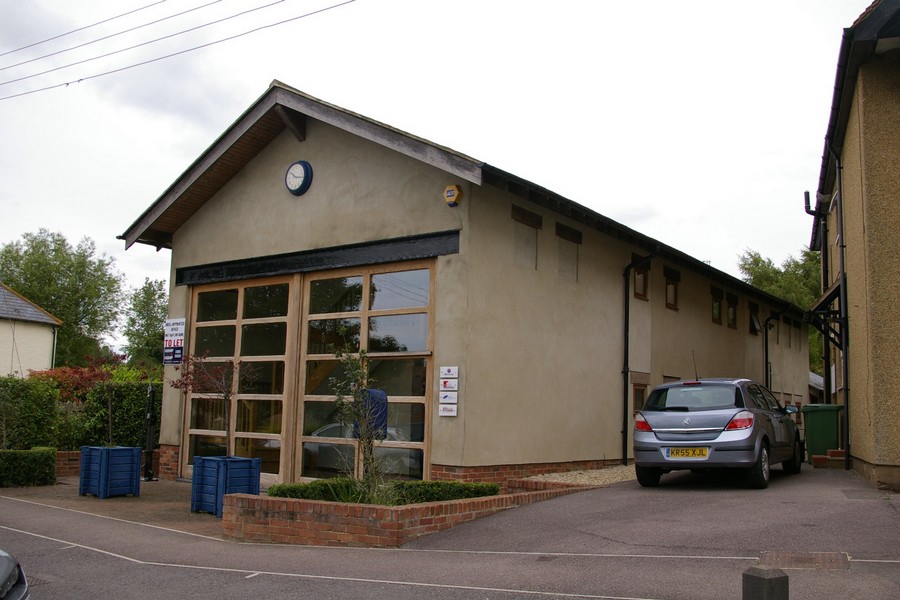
(173, 342)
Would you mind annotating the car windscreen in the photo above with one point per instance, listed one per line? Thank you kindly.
(694, 397)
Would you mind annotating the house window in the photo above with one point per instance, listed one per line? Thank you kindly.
(641, 279)
(639, 395)
(386, 313)
(672, 277)
(731, 302)
(527, 225)
(755, 324)
(569, 242)
(717, 296)
(244, 325)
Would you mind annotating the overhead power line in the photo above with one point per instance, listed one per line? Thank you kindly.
(147, 43)
(185, 51)
(110, 36)
(56, 37)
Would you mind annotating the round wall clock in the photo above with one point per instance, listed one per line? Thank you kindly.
(298, 177)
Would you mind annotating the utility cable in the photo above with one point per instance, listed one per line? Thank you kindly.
(152, 60)
(56, 37)
(147, 43)
(112, 35)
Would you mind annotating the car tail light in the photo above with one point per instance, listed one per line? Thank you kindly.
(742, 420)
(641, 424)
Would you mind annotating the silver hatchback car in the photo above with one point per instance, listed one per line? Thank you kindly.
(715, 424)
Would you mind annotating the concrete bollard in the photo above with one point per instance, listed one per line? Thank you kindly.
(765, 584)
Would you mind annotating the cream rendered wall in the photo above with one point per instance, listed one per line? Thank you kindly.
(361, 192)
(25, 347)
(871, 179)
(542, 377)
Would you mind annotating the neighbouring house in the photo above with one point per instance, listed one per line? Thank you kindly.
(857, 231)
(27, 335)
(513, 330)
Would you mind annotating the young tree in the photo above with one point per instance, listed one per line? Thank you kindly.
(365, 409)
(798, 280)
(145, 319)
(81, 289)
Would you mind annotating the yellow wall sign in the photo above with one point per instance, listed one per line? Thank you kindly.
(452, 195)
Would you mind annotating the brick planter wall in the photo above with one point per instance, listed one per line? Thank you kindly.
(169, 457)
(247, 518)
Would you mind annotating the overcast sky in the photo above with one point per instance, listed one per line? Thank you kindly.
(698, 123)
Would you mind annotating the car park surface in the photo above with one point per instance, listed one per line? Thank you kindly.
(833, 534)
(715, 424)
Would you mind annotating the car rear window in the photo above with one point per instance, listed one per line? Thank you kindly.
(694, 397)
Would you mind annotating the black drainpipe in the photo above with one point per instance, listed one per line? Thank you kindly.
(626, 368)
(768, 369)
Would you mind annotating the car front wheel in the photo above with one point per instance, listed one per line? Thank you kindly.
(759, 473)
(648, 476)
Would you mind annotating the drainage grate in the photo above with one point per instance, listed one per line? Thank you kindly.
(805, 560)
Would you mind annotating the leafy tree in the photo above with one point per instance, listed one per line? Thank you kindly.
(798, 280)
(71, 283)
(145, 320)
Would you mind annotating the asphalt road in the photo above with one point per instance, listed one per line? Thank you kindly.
(832, 534)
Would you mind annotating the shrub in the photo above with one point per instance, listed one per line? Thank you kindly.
(28, 413)
(413, 492)
(344, 489)
(27, 467)
(127, 403)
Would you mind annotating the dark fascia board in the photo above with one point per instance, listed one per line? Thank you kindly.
(554, 202)
(858, 45)
(279, 95)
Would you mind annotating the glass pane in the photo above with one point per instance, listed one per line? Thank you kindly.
(318, 376)
(321, 419)
(263, 339)
(404, 289)
(205, 445)
(398, 377)
(212, 377)
(266, 301)
(326, 335)
(259, 416)
(268, 451)
(343, 294)
(208, 413)
(327, 460)
(406, 422)
(217, 306)
(400, 463)
(262, 377)
(398, 333)
(215, 341)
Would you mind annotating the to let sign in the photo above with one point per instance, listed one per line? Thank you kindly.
(173, 342)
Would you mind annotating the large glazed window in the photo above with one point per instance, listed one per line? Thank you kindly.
(247, 325)
(386, 312)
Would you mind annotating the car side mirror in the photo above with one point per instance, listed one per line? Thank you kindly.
(790, 409)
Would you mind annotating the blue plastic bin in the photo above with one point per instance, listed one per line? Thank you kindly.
(215, 476)
(110, 471)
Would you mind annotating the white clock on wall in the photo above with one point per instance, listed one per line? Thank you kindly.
(298, 177)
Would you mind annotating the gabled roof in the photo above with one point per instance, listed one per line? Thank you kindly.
(283, 107)
(876, 31)
(14, 307)
(280, 108)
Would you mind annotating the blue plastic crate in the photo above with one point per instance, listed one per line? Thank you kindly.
(215, 476)
(110, 471)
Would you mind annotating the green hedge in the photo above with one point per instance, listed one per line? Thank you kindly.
(29, 413)
(20, 468)
(343, 489)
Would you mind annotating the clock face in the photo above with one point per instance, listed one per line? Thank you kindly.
(298, 177)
